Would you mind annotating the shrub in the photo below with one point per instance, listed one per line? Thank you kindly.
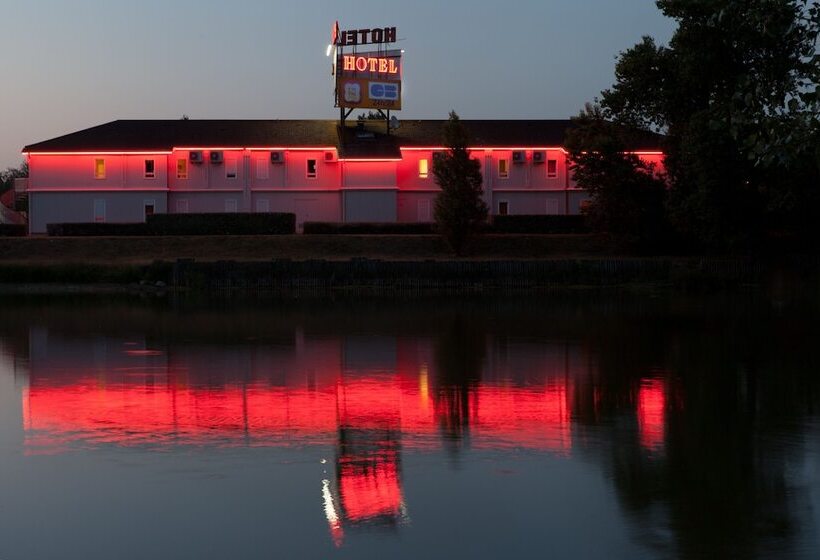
(366, 228)
(99, 229)
(186, 224)
(13, 230)
(223, 224)
(539, 224)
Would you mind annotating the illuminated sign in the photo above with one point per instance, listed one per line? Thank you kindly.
(363, 36)
(366, 79)
(363, 94)
(369, 80)
(372, 64)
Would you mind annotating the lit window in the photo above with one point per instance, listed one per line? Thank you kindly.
(503, 208)
(230, 205)
(99, 169)
(424, 168)
(311, 168)
(149, 169)
(230, 168)
(552, 168)
(182, 168)
(503, 168)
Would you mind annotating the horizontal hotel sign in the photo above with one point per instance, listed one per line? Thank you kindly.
(369, 80)
(352, 37)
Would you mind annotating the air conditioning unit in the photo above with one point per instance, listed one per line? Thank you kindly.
(277, 157)
(216, 157)
(539, 156)
(519, 156)
(330, 157)
(195, 157)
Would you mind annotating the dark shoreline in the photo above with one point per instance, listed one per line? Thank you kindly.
(457, 276)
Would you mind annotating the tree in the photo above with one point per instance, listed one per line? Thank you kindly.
(627, 194)
(459, 208)
(8, 176)
(736, 94)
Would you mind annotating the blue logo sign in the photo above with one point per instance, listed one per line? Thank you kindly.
(384, 91)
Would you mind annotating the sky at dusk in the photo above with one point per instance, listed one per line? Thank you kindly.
(71, 65)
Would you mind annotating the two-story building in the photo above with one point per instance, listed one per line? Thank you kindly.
(124, 170)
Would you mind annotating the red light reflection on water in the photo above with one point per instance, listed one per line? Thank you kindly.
(652, 413)
(368, 418)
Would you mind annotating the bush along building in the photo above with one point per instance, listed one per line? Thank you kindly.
(126, 170)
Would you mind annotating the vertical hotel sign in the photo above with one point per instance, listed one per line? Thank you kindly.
(369, 78)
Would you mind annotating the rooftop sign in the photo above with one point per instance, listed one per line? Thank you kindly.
(366, 80)
(354, 37)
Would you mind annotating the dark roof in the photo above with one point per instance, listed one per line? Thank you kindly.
(164, 135)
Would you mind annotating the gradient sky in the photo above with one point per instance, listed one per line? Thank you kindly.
(68, 65)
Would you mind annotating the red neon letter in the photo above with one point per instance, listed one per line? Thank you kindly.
(383, 66)
(374, 63)
(393, 68)
(350, 62)
(361, 64)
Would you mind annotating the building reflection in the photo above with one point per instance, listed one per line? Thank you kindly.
(678, 432)
(371, 398)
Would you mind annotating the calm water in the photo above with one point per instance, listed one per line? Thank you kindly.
(589, 425)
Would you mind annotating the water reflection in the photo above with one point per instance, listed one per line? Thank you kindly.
(698, 424)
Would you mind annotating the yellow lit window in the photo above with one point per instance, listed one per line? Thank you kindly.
(552, 168)
(503, 168)
(99, 169)
(424, 168)
(182, 168)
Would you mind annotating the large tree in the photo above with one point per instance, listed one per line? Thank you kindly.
(459, 208)
(735, 91)
(627, 194)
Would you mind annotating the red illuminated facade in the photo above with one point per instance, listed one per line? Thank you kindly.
(124, 170)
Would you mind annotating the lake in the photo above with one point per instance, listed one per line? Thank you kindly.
(578, 424)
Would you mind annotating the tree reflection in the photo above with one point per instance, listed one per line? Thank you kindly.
(459, 357)
(725, 484)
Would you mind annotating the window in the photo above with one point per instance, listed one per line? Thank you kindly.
(182, 206)
(149, 169)
(99, 169)
(263, 205)
(311, 168)
(149, 207)
(503, 208)
(262, 169)
(182, 168)
(552, 168)
(503, 168)
(230, 168)
(424, 168)
(99, 210)
(230, 205)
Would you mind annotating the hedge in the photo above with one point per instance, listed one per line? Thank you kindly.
(13, 230)
(186, 224)
(96, 229)
(277, 223)
(367, 228)
(539, 224)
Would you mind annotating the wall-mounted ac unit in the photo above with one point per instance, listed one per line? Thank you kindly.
(519, 156)
(539, 156)
(195, 157)
(330, 157)
(216, 157)
(277, 157)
